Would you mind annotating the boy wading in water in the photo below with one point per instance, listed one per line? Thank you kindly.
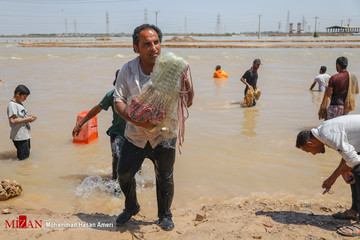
(19, 121)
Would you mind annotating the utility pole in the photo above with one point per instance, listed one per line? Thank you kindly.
(66, 27)
(316, 18)
(279, 27)
(185, 27)
(156, 18)
(259, 26)
(107, 23)
(75, 27)
(146, 16)
(342, 22)
(287, 22)
(315, 28)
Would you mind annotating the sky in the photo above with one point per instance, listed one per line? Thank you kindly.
(184, 16)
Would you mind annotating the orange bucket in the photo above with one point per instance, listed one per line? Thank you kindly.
(89, 130)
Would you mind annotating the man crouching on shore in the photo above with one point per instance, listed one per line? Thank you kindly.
(343, 135)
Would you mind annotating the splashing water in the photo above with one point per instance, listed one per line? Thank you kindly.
(96, 183)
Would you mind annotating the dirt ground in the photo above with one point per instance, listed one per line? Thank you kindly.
(245, 218)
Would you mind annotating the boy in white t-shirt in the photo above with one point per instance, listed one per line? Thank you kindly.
(19, 121)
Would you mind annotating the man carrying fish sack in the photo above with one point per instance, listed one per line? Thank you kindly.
(250, 80)
(343, 135)
(151, 92)
(341, 91)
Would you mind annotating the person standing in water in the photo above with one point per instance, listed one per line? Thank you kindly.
(19, 120)
(341, 91)
(250, 78)
(219, 73)
(116, 130)
(322, 80)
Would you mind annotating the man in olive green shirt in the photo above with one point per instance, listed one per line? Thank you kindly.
(116, 130)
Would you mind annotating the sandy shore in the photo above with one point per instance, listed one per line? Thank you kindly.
(255, 217)
(188, 42)
(38, 44)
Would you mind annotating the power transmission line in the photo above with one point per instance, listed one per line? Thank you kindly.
(304, 23)
(218, 24)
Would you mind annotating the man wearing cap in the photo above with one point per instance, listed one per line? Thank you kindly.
(250, 77)
(116, 131)
(322, 79)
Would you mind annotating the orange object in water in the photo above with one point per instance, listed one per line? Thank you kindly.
(220, 74)
(89, 130)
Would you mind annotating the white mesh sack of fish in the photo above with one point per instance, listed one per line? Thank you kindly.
(161, 100)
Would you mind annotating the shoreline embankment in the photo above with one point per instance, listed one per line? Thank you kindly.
(189, 42)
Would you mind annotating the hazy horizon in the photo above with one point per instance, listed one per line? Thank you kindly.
(122, 16)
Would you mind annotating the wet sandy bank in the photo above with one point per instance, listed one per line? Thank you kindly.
(194, 43)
